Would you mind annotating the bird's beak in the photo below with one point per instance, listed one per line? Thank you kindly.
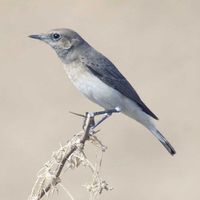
(39, 36)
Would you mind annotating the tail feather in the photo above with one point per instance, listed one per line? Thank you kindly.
(164, 142)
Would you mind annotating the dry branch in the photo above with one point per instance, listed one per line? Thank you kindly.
(70, 156)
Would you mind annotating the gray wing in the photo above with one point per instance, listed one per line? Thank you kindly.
(110, 75)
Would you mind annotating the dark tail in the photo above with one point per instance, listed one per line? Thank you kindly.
(164, 142)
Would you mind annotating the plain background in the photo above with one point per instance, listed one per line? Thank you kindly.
(155, 44)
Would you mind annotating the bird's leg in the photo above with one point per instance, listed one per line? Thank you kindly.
(91, 116)
(106, 113)
(109, 111)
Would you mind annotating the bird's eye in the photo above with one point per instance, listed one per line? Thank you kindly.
(56, 36)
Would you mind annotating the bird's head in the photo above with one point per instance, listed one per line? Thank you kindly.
(61, 40)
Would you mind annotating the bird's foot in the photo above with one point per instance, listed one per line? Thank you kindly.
(91, 116)
(106, 114)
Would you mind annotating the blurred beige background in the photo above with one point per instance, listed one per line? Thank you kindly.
(155, 44)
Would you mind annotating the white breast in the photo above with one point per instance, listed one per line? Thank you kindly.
(92, 87)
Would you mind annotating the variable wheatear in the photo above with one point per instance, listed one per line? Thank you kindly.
(98, 79)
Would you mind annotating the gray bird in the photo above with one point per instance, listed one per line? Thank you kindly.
(98, 79)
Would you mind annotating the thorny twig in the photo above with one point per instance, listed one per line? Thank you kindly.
(72, 155)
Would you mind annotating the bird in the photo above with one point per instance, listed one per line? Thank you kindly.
(97, 78)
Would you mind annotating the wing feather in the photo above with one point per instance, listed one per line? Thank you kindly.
(106, 71)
